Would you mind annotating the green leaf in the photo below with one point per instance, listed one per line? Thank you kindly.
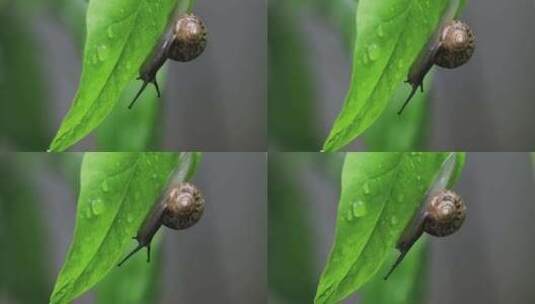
(117, 192)
(291, 272)
(380, 194)
(132, 130)
(407, 285)
(120, 36)
(23, 258)
(137, 282)
(392, 132)
(23, 95)
(389, 37)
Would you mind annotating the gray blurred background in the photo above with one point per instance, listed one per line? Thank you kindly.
(485, 105)
(214, 103)
(490, 260)
(219, 260)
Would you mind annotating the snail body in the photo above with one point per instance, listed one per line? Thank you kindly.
(184, 40)
(452, 46)
(180, 207)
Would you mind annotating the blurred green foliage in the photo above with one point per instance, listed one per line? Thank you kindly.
(24, 257)
(290, 251)
(24, 115)
(291, 111)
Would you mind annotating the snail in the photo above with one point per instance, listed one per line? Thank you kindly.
(442, 213)
(180, 207)
(451, 46)
(184, 40)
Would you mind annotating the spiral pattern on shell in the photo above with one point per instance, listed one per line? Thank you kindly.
(190, 38)
(457, 45)
(445, 214)
(184, 206)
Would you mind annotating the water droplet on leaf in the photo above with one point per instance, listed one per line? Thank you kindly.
(366, 188)
(97, 206)
(359, 209)
(349, 216)
(102, 52)
(380, 31)
(365, 59)
(111, 33)
(373, 52)
(105, 187)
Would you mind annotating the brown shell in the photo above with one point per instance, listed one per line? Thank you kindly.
(190, 38)
(184, 207)
(457, 45)
(445, 214)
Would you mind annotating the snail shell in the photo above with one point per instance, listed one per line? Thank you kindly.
(184, 40)
(179, 207)
(184, 207)
(457, 44)
(189, 38)
(445, 214)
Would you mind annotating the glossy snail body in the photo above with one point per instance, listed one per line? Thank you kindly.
(453, 47)
(184, 40)
(441, 216)
(180, 207)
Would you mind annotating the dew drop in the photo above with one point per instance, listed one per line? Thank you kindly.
(359, 209)
(349, 216)
(373, 52)
(154, 176)
(400, 65)
(129, 218)
(97, 206)
(102, 52)
(365, 59)
(94, 59)
(105, 187)
(366, 188)
(111, 33)
(88, 213)
(418, 178)
(394, 220)
(380, 31)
